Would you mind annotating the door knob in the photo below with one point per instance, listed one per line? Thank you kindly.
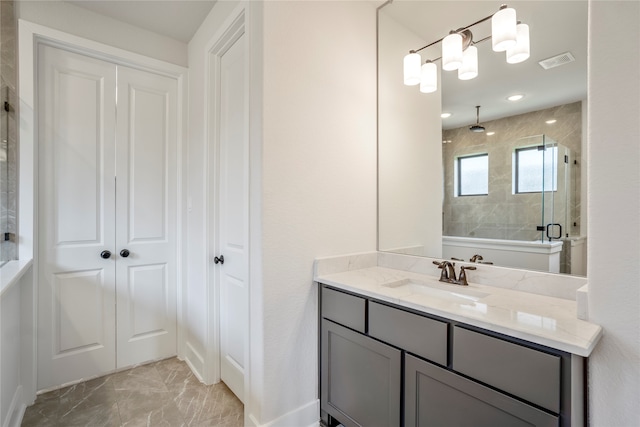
(105, 254)
(125, 253)
(220, 260)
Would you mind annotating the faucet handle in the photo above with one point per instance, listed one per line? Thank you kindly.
(462, 279)
(447, 270)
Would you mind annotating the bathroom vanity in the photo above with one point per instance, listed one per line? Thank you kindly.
(400, 348)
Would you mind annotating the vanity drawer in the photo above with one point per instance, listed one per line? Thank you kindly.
(524, 372)
(416, 334)
(345, 309)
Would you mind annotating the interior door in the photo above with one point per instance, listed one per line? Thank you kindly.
(233, 216)
(107, 216)
(146, 206)
(76, 293)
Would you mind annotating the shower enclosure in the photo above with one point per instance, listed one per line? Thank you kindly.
(530, 193)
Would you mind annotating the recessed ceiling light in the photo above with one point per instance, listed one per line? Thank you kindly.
(490, 133)
(550, 122)
(517, 97)
(445, 115)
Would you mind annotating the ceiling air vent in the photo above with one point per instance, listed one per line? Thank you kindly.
(556, 61)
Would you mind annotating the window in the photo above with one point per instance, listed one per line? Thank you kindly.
(535, 169)
(472, 175)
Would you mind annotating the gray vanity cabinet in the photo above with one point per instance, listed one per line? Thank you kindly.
(385, 365)
(438, 397)
(361, 378)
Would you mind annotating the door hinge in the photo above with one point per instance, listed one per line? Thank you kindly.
(7, 106)
(566, 159)
(9, 237)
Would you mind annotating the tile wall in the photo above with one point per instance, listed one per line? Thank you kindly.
(502, 214)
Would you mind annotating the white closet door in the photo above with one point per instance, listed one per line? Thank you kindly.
(107, 182)
(233, 216)
(146, 206)
(76, 293)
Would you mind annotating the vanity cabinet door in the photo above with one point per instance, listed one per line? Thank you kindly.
(437, 397)
(360, 378)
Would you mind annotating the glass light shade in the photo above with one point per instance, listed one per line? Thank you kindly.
(429, 78)
(412, 69)
(452, 52)
(469, 68)
(520, 52)
(503, 29)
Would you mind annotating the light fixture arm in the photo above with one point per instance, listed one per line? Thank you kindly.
(461, 30)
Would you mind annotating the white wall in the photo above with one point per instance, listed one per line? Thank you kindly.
(81, 22)
(614, 211)
(410, 150)
(318, 180)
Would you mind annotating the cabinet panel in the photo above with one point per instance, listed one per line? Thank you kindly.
(360, 378)
(437, 397)
(521, 371)
(348, 310)
(417, 334)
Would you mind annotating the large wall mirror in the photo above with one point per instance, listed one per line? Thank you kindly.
(512, 195)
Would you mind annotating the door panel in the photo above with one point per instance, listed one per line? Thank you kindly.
(149, 311)
(78, 311)
(76, 294)
(146, 206)
(233, 211)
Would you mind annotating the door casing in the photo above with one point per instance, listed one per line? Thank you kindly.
(31, 35)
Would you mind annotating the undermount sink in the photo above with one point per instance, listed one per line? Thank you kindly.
(453, 293)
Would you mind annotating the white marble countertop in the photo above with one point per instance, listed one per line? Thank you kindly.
(540, 319)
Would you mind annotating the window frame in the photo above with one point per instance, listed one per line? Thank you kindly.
(458, 174)
(516, 170)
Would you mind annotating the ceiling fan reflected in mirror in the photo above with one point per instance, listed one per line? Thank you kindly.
(477, 127)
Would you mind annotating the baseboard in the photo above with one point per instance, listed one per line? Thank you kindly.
(307, 415)
(16, 409)
(195, 361)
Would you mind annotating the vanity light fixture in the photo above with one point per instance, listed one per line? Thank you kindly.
(519, 52)
(460, 53)
(516, 97)
(428, 77)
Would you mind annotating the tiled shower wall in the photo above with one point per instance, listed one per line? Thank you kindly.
(502, 214)
(8, 133)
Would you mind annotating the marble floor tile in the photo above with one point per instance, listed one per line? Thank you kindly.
(164, 394)
(140, 377)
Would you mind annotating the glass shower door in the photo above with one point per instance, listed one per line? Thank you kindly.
(556, 187)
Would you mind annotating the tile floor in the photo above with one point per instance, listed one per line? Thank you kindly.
(164, 393)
